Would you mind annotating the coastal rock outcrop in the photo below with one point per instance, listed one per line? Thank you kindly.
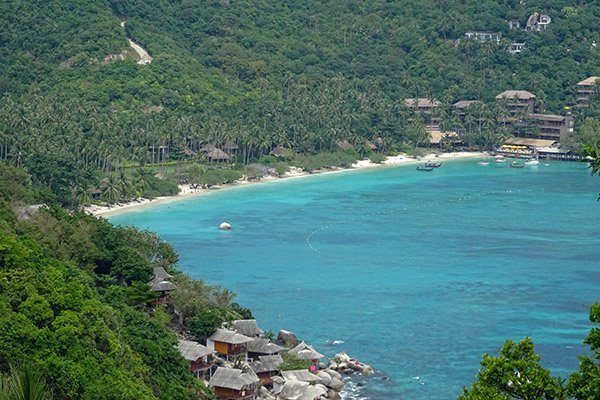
(346, 364)
(288, 338)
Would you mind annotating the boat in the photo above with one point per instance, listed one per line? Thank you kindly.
(499, 159)
(517, 165)
(483, 163)
(424, 168)
(433, 164)
(532, 162)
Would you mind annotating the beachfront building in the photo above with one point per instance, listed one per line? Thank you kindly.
(306, 352)
(230, 383)
(266, 367)
(229, 344)
(217, 155)
(200, 357)
(519, 102)
(161, 284)
(426, 107)
(585, 89)
(443, 139)
(484, 37)
(553, 127)
(246, 327)
(262, 347)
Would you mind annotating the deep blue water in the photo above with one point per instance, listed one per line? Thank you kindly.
(418, 273)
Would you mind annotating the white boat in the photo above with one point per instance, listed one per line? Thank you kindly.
(500, 159)
(532, 162)
(483, 163)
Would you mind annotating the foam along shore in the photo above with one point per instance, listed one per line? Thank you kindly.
(185, 191)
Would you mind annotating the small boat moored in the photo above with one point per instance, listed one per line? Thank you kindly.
(424, 168)
(483, 163)
(516, 165)
(433, 164)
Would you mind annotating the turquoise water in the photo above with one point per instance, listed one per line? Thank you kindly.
(418, 273)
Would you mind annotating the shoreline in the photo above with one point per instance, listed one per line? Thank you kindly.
(185, 192)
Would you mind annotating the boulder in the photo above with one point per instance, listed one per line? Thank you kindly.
(288, 338)
(324, 378)
(336, 384)
(342, 358)
(333, 374)
(333, 395)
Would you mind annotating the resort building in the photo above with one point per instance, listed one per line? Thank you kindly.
(306, 352)
(585, 89)
(426, 107)
(199, 356)
(484, 37)
(266, 367)
(519, 102)
(161, 283)
(553, 127)
(262, 347)
(229, 383)
(246, 327)
(514, 24)
(538, 22)
(228, 344)
(516, 48)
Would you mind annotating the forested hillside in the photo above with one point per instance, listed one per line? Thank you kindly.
(258, 74)
(76, 309)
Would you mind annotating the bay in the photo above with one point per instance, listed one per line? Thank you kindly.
(417, 273)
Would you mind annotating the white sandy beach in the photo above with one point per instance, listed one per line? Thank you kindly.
(186, 192)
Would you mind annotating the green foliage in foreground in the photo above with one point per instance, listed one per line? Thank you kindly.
(516, 373)
(73, 305)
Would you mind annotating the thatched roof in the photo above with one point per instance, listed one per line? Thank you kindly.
(161, 273)
(515, 94)
(266, 364)
(436, 136)
(230, 146)
(192, 351)
(589, 81)
(422, 103)
(465, 104)
(160, 281)
(301, 375)
(218, 154)
(370, 145)
(246, 327)
(280, 151)
(263, 346)
(306, 352)
(230, 378)
(227, 336)
(207, 148)
(344, 145)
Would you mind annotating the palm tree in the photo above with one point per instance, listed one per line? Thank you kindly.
(23, 384)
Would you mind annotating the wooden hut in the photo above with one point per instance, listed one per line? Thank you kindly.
(228, 343)
(217, 155)
(230, 148)
(266, 367)
(161, 283)
(344, 145)
(229, 383)
(207, 148)
(262, 347)
(199, 356)
(246, 327)
(281, 151)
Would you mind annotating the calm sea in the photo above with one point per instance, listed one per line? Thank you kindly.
(417, 273)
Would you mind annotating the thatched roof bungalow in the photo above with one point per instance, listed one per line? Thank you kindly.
(246, 327)
(229, 383)
(199, 356)
(228, 343)
(262, 346)
(217, 155)
(306, 352)
(266, 367)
